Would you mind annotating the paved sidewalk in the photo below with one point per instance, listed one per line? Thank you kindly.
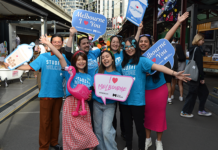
(199, 133)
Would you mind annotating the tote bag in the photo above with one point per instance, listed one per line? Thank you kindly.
(192, 68)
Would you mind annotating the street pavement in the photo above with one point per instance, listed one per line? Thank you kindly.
(21, 130)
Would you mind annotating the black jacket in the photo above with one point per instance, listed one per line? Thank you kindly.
(198, 59)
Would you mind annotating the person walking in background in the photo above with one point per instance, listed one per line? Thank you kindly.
(180, 54)
(196, 88)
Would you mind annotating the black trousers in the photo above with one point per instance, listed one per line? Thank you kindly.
(91, 111)
(196, 89)
(121, 119)
(135, 113)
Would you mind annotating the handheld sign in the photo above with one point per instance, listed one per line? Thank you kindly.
(23, 53)
(161, 52)
(112, 87)
(136, 10)
(89, 22)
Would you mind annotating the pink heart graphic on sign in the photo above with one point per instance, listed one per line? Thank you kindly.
(154, 59)
(16, 55)
(115, 80)
(86, 22)
(137, 7)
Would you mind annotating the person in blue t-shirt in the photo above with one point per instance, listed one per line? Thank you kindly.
(115, 47)
(92, 55)
(50, 94)
(77, 131)
(156, 93)
(134, 107)
(103, 114)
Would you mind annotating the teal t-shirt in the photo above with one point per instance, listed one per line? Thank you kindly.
(92, 61)
(150, 85)
(108, 101)
(79, 78)
(51, 75)
(138, 73)
(118, 58)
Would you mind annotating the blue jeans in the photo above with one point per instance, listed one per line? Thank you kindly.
(103, 116)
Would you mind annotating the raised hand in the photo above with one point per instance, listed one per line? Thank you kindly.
(183, 17)
(140, 26)
(44, 39)
(72, 31)
(183, 77)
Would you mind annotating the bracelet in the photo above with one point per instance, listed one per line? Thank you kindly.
(172, 73)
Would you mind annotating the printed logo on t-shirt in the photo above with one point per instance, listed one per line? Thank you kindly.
(79, 80)
(129, 70)
(118, 61)
(53, 65)
(92, 64)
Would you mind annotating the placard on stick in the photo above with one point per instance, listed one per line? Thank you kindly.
(161, 52)
(136, 10)
(112, 87)
(23, 53)
(89, 22)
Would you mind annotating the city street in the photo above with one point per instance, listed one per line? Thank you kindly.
(21, 130)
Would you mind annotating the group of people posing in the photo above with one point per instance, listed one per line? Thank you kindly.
(145, 105)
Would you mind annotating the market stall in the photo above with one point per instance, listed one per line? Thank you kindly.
(210, 64)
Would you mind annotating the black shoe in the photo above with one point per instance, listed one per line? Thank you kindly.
(57, 147)
(123, 136)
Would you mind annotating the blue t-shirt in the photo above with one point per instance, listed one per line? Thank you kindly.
(92, 61)
(118, 60)
(150, 85)
(51, 75)
(79, 78)
(138, 72)
(108, 101)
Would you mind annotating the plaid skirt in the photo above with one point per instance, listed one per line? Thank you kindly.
(77, 131)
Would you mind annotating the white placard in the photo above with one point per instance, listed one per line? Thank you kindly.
(112, 87)
(22, 54)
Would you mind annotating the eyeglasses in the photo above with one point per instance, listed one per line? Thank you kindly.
(81, 36)
(148, 35)
(128, 47)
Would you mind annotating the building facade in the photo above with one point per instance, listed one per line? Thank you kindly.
(71, 5)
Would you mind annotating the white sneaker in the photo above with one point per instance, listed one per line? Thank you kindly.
(172, 96)
(159, 145)
(181, 98)
(186, 115)
(148, 143)
(169, 101)
(204, 113)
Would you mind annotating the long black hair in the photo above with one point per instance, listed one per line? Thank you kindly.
(135, 57)
(180, 53)
(155, 76)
